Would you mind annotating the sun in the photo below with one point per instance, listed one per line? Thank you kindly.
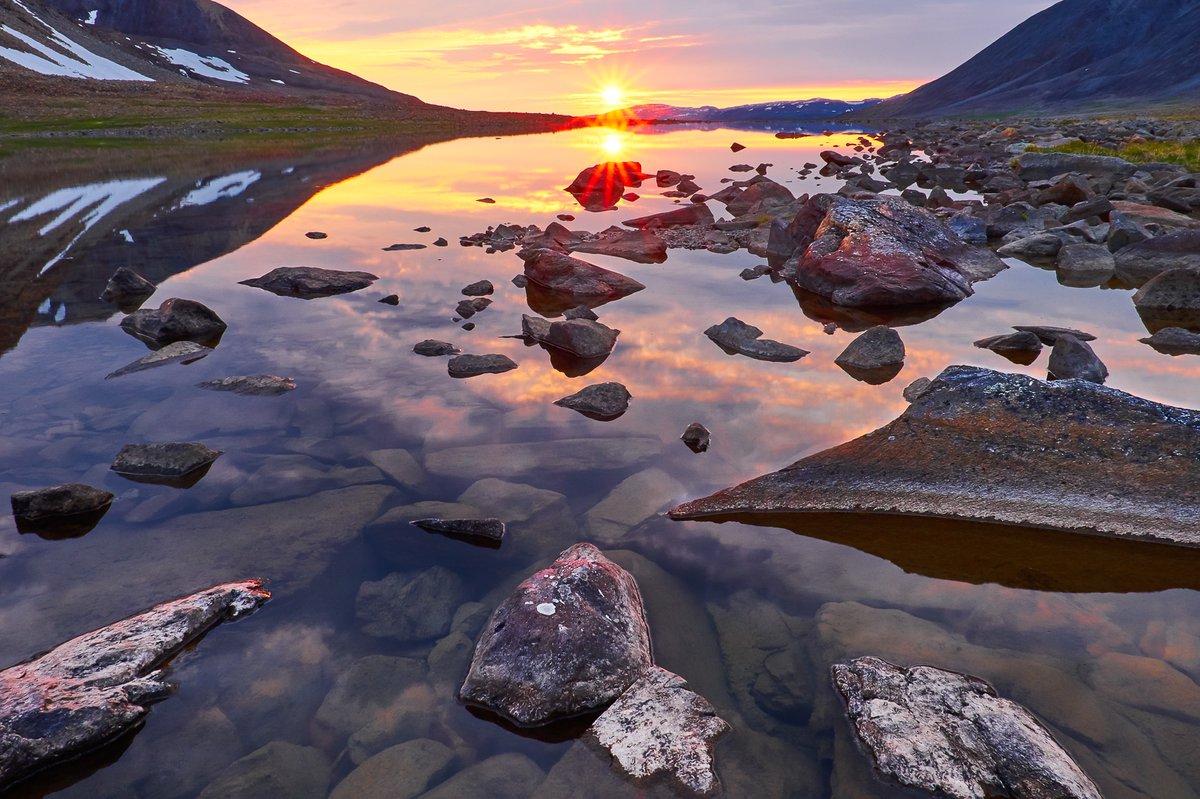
(612, 96)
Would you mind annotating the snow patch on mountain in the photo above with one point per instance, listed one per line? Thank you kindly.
(60, 56)
(205, 66)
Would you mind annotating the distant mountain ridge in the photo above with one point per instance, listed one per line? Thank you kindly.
(1074, 55)
(167, 41)
(815, 108)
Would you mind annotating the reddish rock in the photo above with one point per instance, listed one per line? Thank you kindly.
(577, 279)
(698, 214)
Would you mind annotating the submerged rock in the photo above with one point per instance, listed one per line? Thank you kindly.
(176, 352)
(409, 606)
(660, 726)
(278, 769)
(578, 279)
(569, 640)
(602, 401)
(91, 689)
(984, 445)
(310, 282)
(175, 320)
(169, 461)
(474, 365)
(884, 252)
(1072, 358)
(951, 735)
(738, 338)
(697, 437)
(486, 529)
(251, 385)
(1174, 341)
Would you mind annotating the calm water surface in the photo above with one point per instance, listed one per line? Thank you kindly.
(1100, 640)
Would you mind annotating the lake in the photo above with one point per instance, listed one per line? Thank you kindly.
(1100, 639)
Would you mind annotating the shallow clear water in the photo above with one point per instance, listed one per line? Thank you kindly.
(1101, 641)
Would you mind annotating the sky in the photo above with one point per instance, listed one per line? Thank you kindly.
(561, 55)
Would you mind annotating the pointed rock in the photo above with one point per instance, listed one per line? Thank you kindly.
(176, 352)
(175, 320)
(310, 282)
(603, 401)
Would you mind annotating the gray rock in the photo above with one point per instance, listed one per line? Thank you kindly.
(486, 529)
(660, 726)
(1009, 345)
(697, 437)
(403, 771)
(316, 235)
(1065, 455)
(1139, 263)
(399, 465)
(468, 308)
(951, 735)
(479, 288)
(738, 338)
(698, 214)
(534, 327)
(93, 688)
(409, 606)
(371, 691)
(175, 320)
(474, 365)
(1072, 358)
(125, 287)
(1046, 166)
(574, 278)
(1049, 334)
(1173, 290)
(581, 337)
(55, 502)
(580, 312)
(1174, 341)
(310, 282)
(251, 385)
(874, 357)
(602, 401)
(279, 769)
(391, 299)
(405, 247)
(509, 776)
(176, 352)
(1124, 231)
(433, 348)
(570, 639)
(1089, 263)
(1039, 245)
(173, 460)
(914, 390)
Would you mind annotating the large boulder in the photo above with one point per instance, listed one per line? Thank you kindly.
(93, 688)
(1173, 290)
(1138, 263)
(310, 282)
(1047, 166)
(886, 252)
(175, 320)
(570, 639)
(983, 445)
(577, 279)
(951, 735)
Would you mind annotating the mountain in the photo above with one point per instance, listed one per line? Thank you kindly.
(817, 108)
(1075, 55)
(171, 42)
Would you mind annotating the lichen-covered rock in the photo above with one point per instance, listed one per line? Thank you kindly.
(310, 282)
(886, 252)
(89, 690)
(569, 640)
(951, 735)
(175, 320)
(658, 726)
(990, 446)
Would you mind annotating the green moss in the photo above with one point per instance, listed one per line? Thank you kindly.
(1176, 152)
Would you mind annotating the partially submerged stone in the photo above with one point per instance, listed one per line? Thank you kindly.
(950, 734)
(62, 511)
(736, 337)
(433, 348)
(490, 530)
(91, 689)
(581, 337)
(176, 352)
(176, 461)
(1048, 334)
(659, 726)
(639, 246)
(874, 357)
(1072, 358)
(569, 640)
(988, 446)
(251, 385)
(479, 288)
(1173, 290)
(697, 437)
(1174, 341)
(698, 214)
(1141, 262)
(175, 320)
(576, 279)
(474, 365)
(126, 289)
(1022, 347)
(310, 282)
(603, 401)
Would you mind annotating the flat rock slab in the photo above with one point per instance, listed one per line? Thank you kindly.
(569, 640)
(736, 337)
(474, 365)
(56, 502)
(310, 282)
(1048, 334)
(431, 348)
(172, 460)
(1174, 341)
(91, 689)
(175, 320)
(602, 401)
(659, 726)
(251, 385)
(491, 530)
(951, 735)
(639, 246)
(574, 278)
(176, 352)
(989, 446)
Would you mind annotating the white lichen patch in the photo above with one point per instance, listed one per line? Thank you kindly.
(546, 609)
